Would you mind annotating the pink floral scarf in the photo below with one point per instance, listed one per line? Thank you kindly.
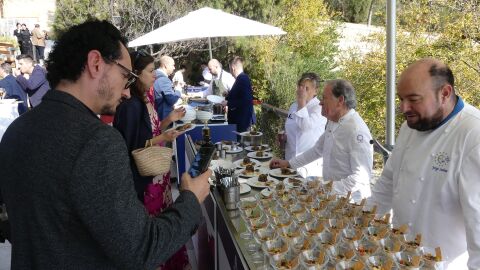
(158, 194)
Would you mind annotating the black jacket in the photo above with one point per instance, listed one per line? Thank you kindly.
(133, 122)
(67, 184)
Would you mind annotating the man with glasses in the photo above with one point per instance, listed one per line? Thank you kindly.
(66, 177)
(345, 144)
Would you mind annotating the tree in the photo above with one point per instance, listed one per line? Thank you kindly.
(139, 18)
(276, 63)
(259, 10)
(136, 18)
(354, 11)
(72, 12)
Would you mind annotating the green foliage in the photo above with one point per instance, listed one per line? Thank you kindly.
(354, 11)
(275, 63)
(260, 10)
(72, 12)
(268, 122)
(9, 39)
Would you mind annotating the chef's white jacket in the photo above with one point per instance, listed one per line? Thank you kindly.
(347, 155)
(303, 128)
(224, 81)
(432, 183)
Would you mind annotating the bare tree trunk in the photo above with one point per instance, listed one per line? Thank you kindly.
(370, 12)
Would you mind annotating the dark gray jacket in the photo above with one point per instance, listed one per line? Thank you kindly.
(36, 86)
(67, 184)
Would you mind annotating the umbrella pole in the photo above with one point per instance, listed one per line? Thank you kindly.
(210, 48)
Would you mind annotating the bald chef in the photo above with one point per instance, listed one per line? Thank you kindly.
(431, 180)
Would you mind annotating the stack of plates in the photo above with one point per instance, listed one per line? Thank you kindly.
(215, 99)
(7, 101)
(204, 116)
(190, 114)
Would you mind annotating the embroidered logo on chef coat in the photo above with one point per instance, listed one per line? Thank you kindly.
(440, 162)
(359, 138)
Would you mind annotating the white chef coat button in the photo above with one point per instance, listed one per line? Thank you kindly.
(422, 178)
(395, 191)
(413, 201)
(409, 224)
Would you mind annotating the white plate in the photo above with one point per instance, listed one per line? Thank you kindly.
(258, 171)
(253, 182)
(7, 101)
(278, 173)
(239, 163)
(247, 133)
(190, 128)
(266, 155)
(266, 192)
(287, 183)
(265, 146)
(221, 163)
(215, 98)
(224, 142)
(244, 188)
(242, 180)
(228, 149)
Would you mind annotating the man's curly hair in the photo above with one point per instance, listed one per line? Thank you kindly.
(68, 58)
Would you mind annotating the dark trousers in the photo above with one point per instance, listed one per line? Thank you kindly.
(39, 52)
(26, 48)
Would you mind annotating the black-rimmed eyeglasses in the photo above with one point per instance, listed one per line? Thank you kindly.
(131, 77)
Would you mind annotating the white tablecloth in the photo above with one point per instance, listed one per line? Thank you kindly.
(197, 91)
(8, 113)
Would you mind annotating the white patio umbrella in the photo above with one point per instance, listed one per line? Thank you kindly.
(206, 23)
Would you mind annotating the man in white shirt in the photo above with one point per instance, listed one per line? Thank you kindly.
(178, 81)
(305, 123)
(345, 145)
(222, 81)
(431, 179)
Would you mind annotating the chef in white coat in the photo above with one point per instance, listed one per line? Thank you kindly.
(345, 145)
(305, 123)
(431, 180)
(222, 81)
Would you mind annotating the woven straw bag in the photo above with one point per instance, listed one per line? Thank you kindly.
(152, 160)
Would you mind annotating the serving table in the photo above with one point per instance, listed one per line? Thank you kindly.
(8, 113)
(222, 227)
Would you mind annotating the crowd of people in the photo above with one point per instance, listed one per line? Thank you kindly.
(26, 83)
(76, 199)
(429, 181)
(31, 42)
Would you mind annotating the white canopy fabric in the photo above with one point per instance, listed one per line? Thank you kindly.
(206, 23)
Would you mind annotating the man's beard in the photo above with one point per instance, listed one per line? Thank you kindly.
(105, 93)
(424, 124)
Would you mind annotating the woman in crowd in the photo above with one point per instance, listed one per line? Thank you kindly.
(137, 121)
(305, 123)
